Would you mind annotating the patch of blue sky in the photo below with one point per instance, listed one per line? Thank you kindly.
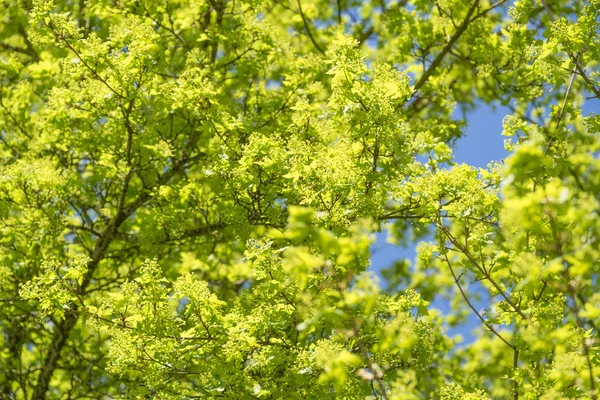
(481, 143)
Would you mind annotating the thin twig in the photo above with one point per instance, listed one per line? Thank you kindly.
(574, 57)
(306, 26)
(440, 57)
(481, 269)
(560, 115)
(464, 295)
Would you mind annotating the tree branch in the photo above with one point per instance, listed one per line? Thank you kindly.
(464, 296)
(440, 57)
(306, 26)
(485, 273)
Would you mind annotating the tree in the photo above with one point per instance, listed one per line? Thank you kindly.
(189, 191)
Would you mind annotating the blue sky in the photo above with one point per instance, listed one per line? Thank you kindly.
(482, 142)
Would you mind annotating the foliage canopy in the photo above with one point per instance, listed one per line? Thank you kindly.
(189, 191)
